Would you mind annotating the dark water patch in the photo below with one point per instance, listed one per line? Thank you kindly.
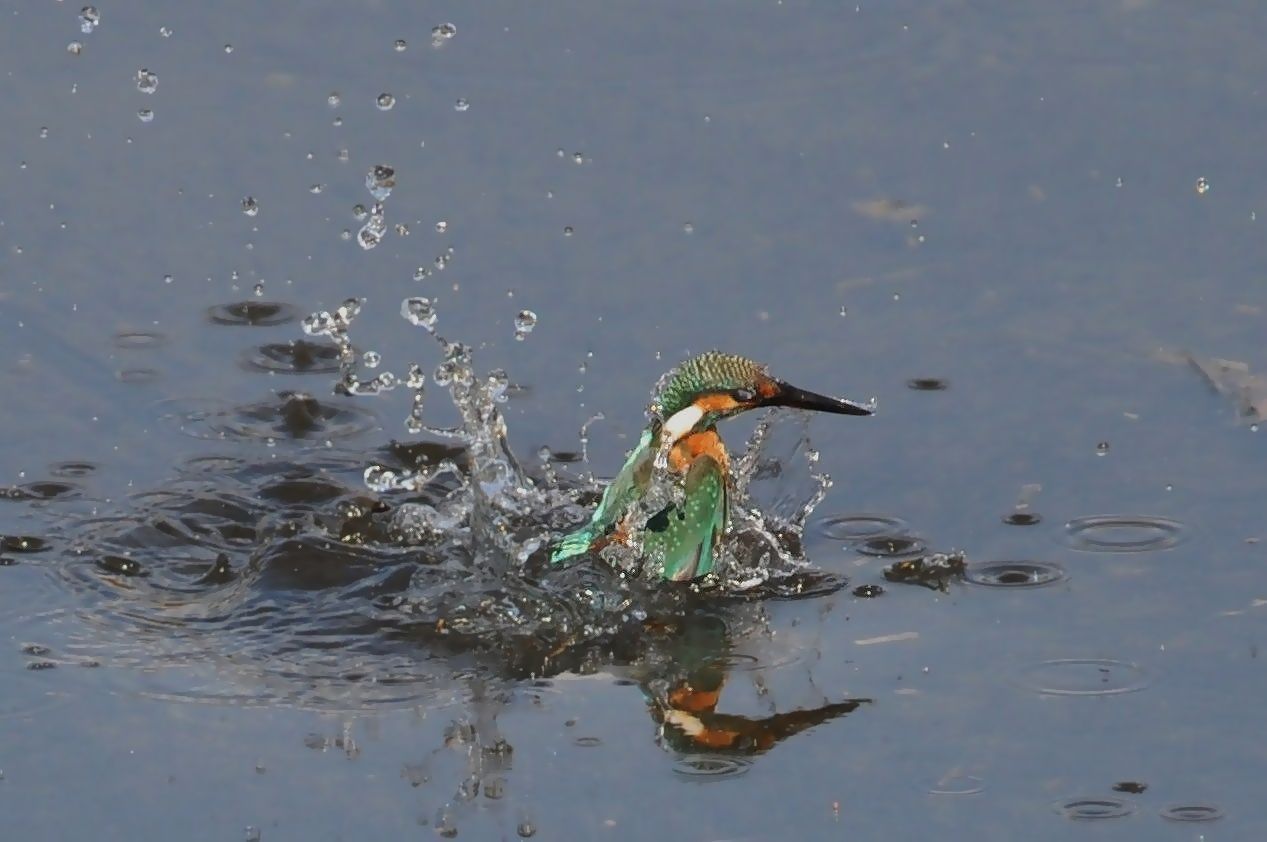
(868, 591)
(42, 490)
(1015, 574)
(120, 565)
(1130, 787)
(1022, 519)
(22, 544)
(252, 313)
(288, 416)
(587, 742)
(1123, 533)
(72, 470)
(1084, 677)
(892, 546)
(712, 767)
(298, 356)
(137, 376)
(1092, 808)
(927, 384)
(139, 340)
(1192, 813)
(861, 527)
(934, 571)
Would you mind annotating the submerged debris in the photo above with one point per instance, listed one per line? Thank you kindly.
(934, 571)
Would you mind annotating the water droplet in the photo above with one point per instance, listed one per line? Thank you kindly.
(578, 158)
(1015, 574)
(419, 311)
(1084, 677)
(145, 115)
(892, 546)
(688, 227)
(843, 312)
(385, 102)
(1203, 186)
(250, 207)
(380, 181)
(146, 81)
(524, 323)
(251, 834)
(567, 231)
(228, 48)
(1123, 533)
(525, 830)
(43, 131)
(316, 188)
(421, 273)
(334, 99)
(442, 227)
(400, 46)
(1087, 809)
(89, 19)
(1102, 448)
(74, 48)
(402, 230)
(461, 105)
(442, 33)
(165, 31)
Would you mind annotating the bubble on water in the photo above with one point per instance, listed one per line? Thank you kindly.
(1102, 448)
(334, 99)
(75, 48)
(442, 33)
(385, 102)
(1203, 186)
(145, 115)
(419, 311)
(442, 227)
(146, 81)
(250, 207)
(1015, 574)
(315, 189)
(228, 48)
(400, 46)
(568, 230)
(89, 19)
(461, 105)
(861, 527)
(380, 181)
(524, 323)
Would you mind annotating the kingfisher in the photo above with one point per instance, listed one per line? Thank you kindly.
(685, 536)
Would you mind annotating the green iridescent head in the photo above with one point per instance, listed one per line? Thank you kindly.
(712, 386)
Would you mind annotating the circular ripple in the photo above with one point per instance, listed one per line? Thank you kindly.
(137, 375)
(1192, 813)
(22, 544)
(252, 313)
(138, 340)
(712, 767)
(957, 783)
(1123, 533)
(1015, 574)
(1094, 807)
(588, 742)
(859, 527)
(1084, 677)
(298, 356)
(289, 415)
(927, 384)
(1022, 518)
(892, 546)
(72, 469)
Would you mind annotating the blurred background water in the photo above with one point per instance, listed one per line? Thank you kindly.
(1050, 210)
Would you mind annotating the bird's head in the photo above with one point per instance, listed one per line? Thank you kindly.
(712, 386)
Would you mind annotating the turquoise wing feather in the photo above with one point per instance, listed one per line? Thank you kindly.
(617, 498)
(686, 538)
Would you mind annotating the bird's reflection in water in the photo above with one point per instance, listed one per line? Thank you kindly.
(683, 682)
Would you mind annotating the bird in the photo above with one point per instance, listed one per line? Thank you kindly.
(685, 536)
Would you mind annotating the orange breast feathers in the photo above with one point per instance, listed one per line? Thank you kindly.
(689, 448)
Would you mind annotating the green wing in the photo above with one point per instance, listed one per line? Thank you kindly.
(686, 538)
(619, 495)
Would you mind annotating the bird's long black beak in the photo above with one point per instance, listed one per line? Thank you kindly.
(791, 396)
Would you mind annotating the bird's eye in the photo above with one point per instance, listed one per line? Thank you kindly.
(744, 395)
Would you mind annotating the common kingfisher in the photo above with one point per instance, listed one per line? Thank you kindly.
(682, 437)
